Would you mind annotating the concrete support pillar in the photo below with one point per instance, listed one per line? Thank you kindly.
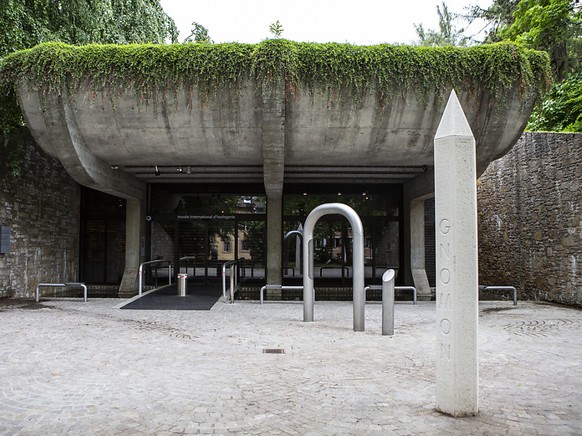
(415, 192)
(273, 148)
(417, 251)
(134, 246)
(274, 244)
(457, 372)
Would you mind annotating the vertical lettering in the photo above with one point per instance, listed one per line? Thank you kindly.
(445, 326)
(445, 351)
(444, 226)
(445, 276)
(444, 300)
(446, 249)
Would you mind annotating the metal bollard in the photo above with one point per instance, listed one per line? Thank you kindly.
(182, 284)
(388, 302)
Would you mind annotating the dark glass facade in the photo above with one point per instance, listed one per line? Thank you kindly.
(102, 238)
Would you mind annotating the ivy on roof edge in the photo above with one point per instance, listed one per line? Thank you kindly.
(495, 68)
(347, 69)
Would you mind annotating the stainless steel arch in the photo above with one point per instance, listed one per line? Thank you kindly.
(293, 232)
(299, 234)
(358, 259)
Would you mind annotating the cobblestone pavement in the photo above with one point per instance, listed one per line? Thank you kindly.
(68, 367)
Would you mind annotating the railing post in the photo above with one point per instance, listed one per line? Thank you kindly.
(84, 292)
(232, 283)
(140, 279)
(232, 264)
(224, 280)
(140, 272)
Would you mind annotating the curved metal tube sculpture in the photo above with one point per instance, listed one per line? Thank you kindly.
(358, 259)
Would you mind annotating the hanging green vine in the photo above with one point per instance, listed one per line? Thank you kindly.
(385, 69)
(494, 68)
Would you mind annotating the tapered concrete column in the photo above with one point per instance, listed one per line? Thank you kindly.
(274, 243)
(134, 247)
(415, 191)
(417, 251)
(273, 150)
(457, 373)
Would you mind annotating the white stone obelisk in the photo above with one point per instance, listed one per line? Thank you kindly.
(457, 370)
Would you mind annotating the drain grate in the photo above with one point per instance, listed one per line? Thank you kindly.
(273, 351)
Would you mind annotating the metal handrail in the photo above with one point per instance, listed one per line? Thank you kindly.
(233, 279)
(294, 288)
(396, 288)
(187, 258)
(501, 288)
(343, 267)
(140, 273)
(62, 285)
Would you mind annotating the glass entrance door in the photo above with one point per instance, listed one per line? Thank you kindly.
(203, 246)
(251, 248)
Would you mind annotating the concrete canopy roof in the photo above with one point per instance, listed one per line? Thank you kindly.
(111, 139)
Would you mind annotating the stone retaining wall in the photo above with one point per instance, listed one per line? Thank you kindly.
(530, 213)
(41, 208)
(530, 210)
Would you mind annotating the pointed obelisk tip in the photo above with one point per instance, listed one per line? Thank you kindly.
(453, 121)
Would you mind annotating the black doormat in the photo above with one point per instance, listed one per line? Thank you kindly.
(198, 297)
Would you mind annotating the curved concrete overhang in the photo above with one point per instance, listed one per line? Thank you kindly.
(113, 141)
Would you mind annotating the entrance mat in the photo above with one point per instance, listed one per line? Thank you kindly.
(198, 297)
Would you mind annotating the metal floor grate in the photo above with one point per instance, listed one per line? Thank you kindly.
(273, 351)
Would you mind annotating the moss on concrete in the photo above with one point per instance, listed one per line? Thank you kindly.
(495, 68)
(346, 70)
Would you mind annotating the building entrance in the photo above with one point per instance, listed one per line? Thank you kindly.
(381, 215)
(203, 246)
(200, 232)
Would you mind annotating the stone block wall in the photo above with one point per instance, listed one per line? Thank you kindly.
(530, 211)
(41, 208)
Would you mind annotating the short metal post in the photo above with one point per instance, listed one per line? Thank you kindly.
(182, 281)
(388, 302)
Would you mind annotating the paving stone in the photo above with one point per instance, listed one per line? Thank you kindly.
(89, 368)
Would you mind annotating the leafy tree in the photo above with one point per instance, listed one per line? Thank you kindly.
(551, 25)
(448, 34)
(561, 110)
(554, 26)
(254, 234)
(26, 23)
(276, 29)
(199, 34)
(496, 17)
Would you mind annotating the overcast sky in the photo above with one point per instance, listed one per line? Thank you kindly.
(359, 22)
